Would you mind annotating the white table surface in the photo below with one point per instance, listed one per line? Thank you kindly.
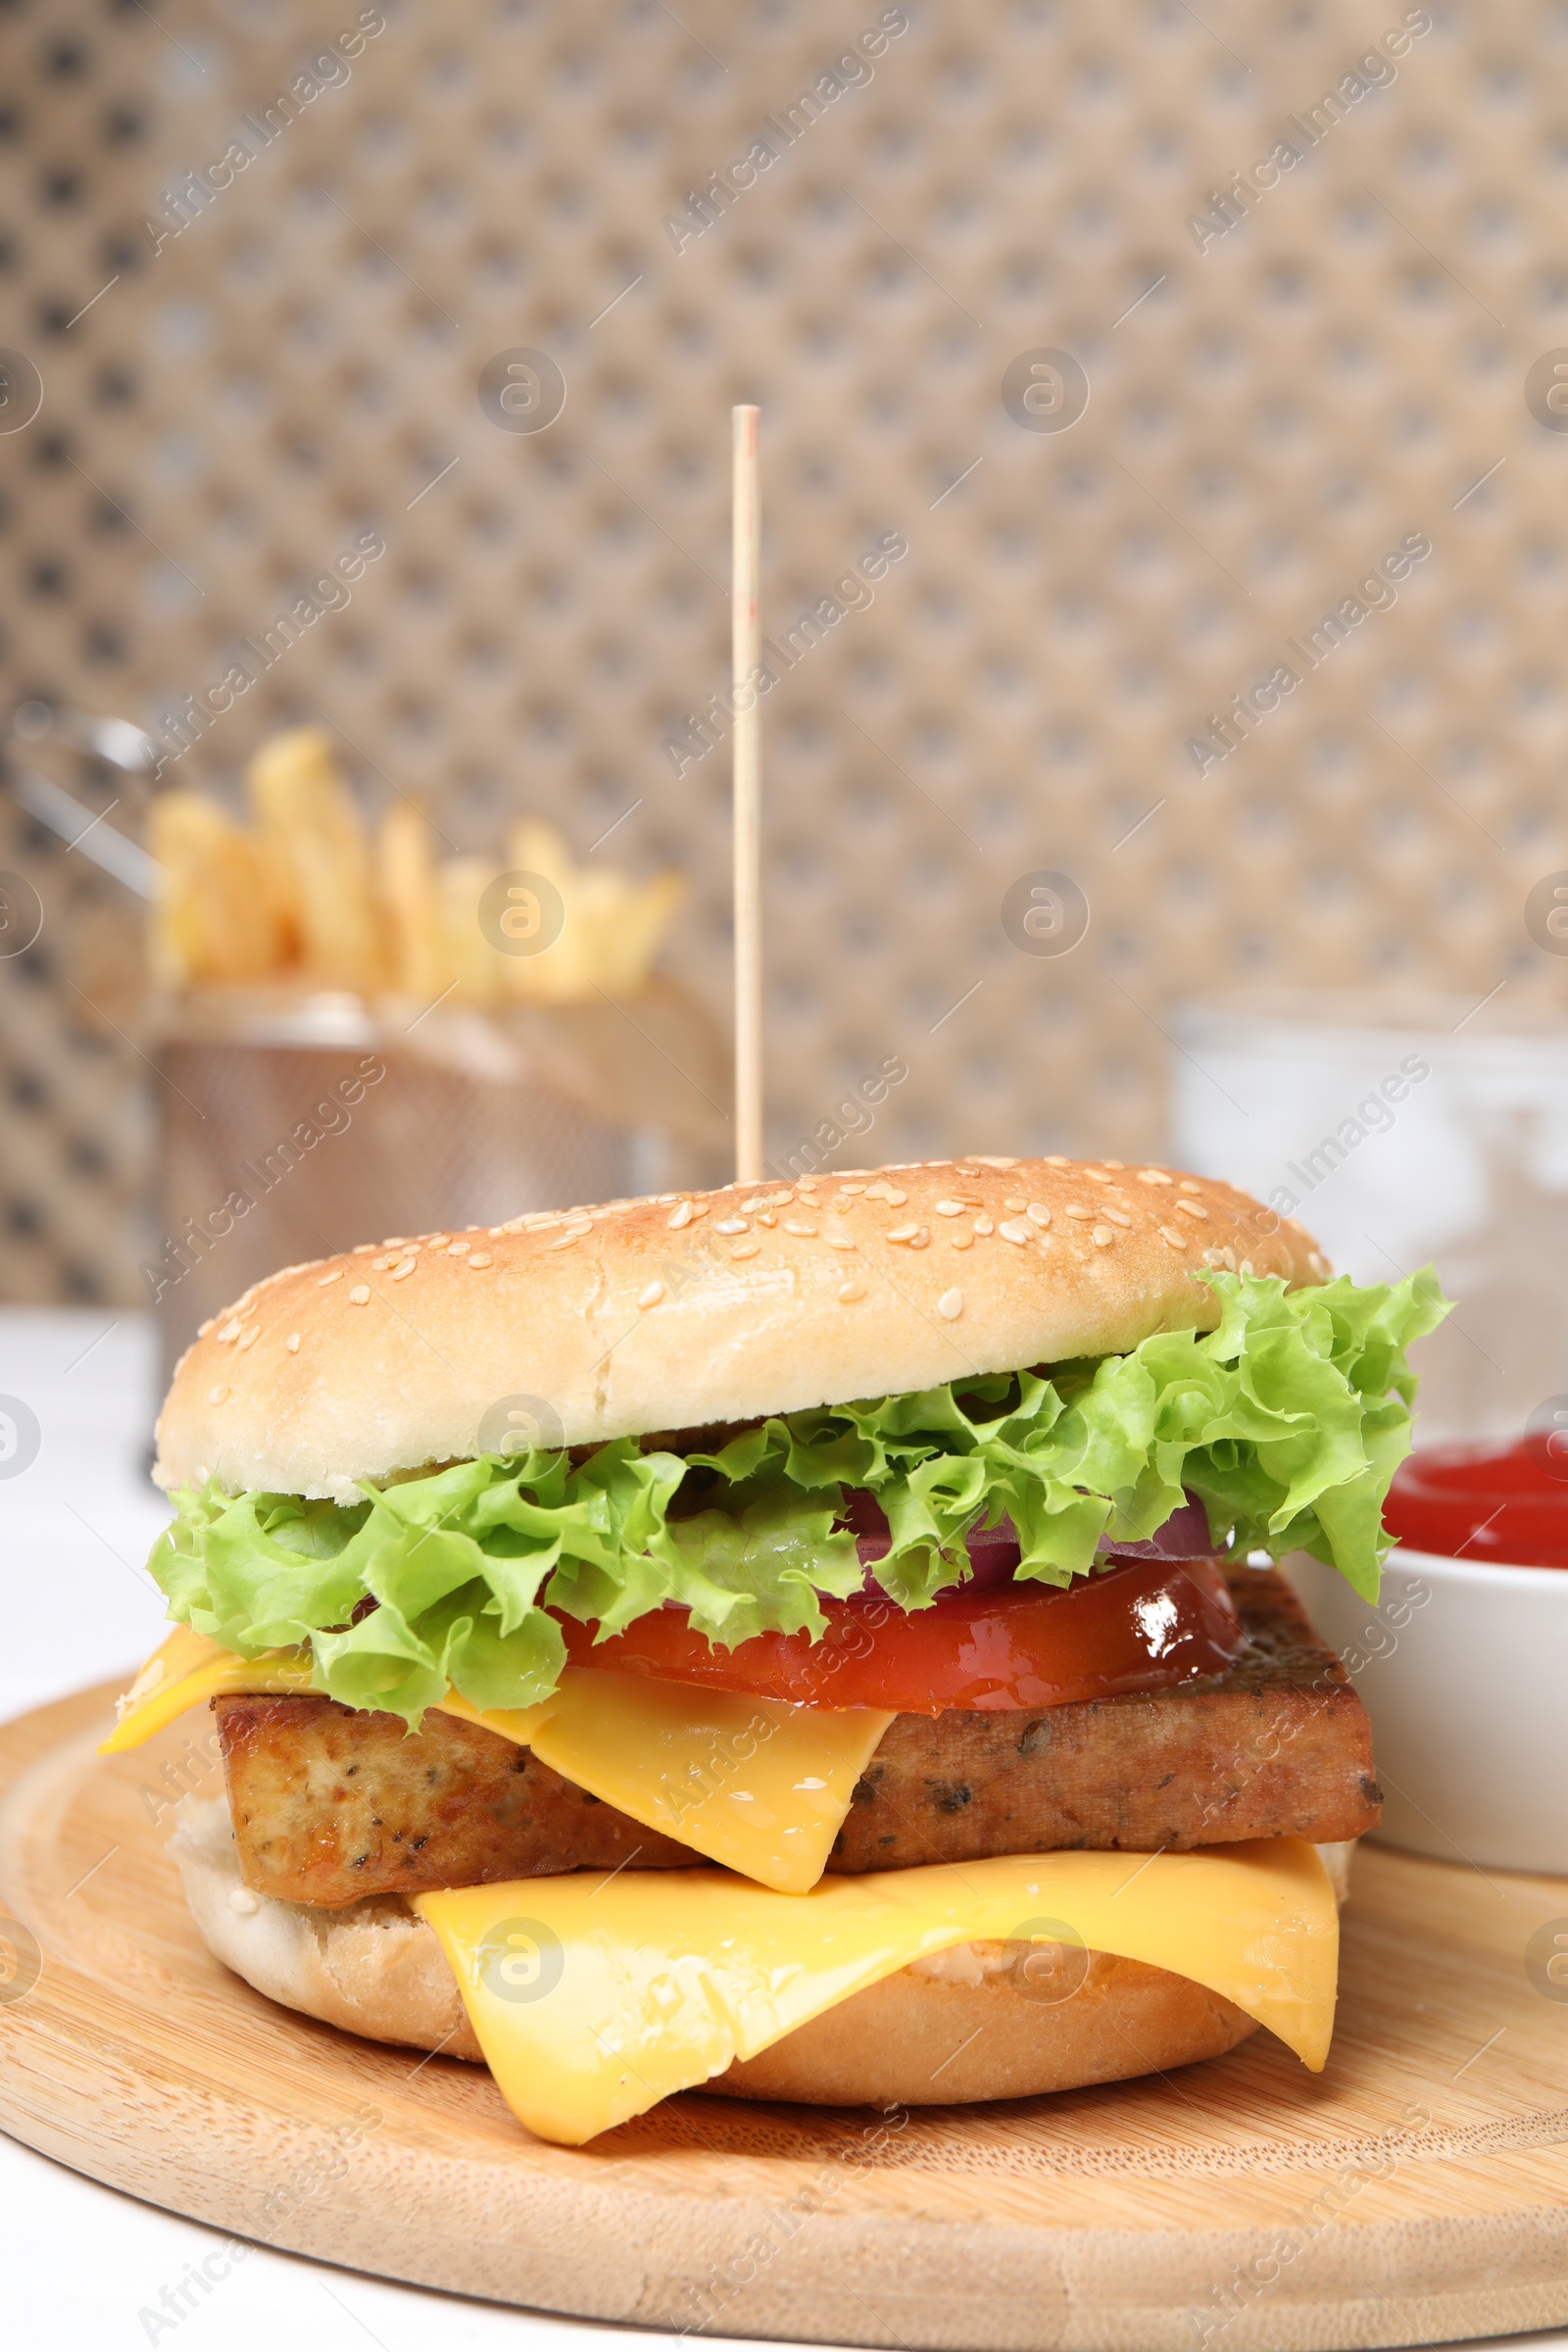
(86, 2266)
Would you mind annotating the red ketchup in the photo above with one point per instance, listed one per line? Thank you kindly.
(1507, 1503)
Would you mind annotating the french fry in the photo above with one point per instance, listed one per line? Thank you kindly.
(307, 819)
(479, 968)
(552, 975)
(217, 919)
(629, 942)
(418, 957)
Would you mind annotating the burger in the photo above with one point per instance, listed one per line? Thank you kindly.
(813, 1641)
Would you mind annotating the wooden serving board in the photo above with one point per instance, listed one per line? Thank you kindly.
(1415, 2192)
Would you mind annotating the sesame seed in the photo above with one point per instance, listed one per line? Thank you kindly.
(745, 1249)
(962, 1168)
(1102, 1236)
(765, 1216)
(292, 1343)
(336, 1275)
(797, 1225)
(1057, 1159)
(663, 1199)
(851, 1191)
(1154, 1176)
(381, 1264)
(1177, 1241)
(1188, 1186)
(679, 1217)
(984, 1225)
(1016, 1207)
(1193, 1208)
(1038, 1213)
(459, 1248)
(1246, 1266)
(363, 1249)
(986, 1162)
(651, 1296)
(249, 1339)
(1012, 1231)
(843, 1203)
(950, 1306)
(852, 1290)
(476, 1262)
(949, 1209)
(889, 1193)
(231, 1330)
(404, 1267)
(360, 1295)
(564, 1240)
(1097, 1176)
(961, 1238)
(915, 1235)
(1117, 1218)
(1077, 1209)
(216, 1395)
(202, 1329)
(841, 1241)
(730, 1225)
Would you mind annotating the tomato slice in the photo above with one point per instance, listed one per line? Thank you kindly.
(1140, 1625)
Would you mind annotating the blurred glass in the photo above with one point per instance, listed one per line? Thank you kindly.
(1401, 1127)
(295, 1126)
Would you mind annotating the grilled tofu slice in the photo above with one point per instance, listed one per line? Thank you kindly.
(330, 1804)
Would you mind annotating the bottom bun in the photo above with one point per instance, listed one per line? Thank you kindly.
(376, 1969)
(918, 2040)
(982, 2021)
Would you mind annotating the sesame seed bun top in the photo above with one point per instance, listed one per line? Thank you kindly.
(578, 1325)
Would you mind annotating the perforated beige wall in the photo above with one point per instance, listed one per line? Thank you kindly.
(1272, 411)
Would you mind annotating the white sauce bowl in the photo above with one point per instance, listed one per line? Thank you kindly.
(1463, 1669)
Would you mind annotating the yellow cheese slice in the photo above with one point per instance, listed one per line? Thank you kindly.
(517, 1724)
(593, 1998)
(755, 1784)
(190, 1668)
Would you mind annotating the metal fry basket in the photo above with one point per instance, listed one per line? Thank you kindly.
(294, 1127)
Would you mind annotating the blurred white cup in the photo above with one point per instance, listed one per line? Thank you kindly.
(1400, 1128)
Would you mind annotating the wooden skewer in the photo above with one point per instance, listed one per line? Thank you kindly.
(746, 655)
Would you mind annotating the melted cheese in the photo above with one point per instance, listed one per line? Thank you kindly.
(754, 1783)
(595, 1997)
(191, 1668)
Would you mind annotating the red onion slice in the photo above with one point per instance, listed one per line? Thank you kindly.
(995, 1551)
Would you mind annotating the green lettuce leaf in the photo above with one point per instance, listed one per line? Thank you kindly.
(1288, 1421)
